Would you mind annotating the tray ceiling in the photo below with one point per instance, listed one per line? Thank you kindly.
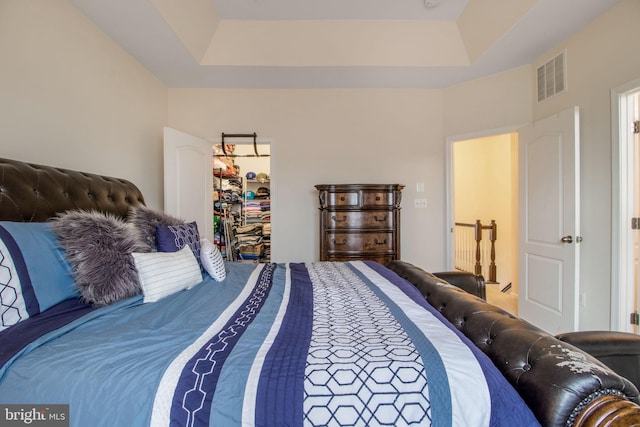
(336, 43)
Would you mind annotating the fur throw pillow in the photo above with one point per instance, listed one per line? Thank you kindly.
(98, 247)
(145, 220)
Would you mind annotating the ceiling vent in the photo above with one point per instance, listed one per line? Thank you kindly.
(552, 77)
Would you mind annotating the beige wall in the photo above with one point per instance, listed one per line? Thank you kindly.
(70, 97)
(495, 103)
(334, 136)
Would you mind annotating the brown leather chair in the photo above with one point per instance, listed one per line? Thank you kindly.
(620, 351)
(472, 283)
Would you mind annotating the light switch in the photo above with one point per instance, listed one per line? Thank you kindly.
(420, 187)
(420, 203)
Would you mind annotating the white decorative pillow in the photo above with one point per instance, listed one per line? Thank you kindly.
(163, 273)
(212, 261)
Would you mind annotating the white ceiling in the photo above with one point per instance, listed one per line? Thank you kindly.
(446, 10)
(336, 43)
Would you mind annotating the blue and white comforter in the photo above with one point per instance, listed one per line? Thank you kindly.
(272, 345)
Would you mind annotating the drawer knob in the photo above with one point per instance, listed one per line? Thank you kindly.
(344, 218)
(344, 242)
(377, 242)
(383, 219)
(378, 198)
(342, 198)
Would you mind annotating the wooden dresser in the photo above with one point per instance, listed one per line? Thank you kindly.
(360, 221)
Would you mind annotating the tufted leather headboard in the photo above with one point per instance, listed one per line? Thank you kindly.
(35, 193)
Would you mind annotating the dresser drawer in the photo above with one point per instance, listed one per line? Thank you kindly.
(360, 242)
(380, 258)
(342, 220)
(377, 198)
(345, 199)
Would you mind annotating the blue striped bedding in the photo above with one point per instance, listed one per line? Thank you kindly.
(299, 344)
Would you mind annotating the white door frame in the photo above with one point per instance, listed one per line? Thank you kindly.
(622, 296)
(449, 177)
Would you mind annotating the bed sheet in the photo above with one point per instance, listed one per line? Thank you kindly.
(271, 345)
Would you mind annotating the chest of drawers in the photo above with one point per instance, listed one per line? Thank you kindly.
(359, 221)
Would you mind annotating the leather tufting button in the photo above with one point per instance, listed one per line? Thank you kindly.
(489, 341)
(65, 194)
(526, 367)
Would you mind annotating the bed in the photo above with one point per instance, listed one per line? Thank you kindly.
(125, 315)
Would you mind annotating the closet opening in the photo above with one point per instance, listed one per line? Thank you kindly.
(242, 199)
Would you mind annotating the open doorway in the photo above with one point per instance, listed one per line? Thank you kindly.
(483, 199)
(242, 201)
(625, 295)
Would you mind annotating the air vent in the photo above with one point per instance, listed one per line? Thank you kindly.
(551, 78)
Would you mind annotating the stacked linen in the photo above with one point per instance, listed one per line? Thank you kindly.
(266, 238)
(265, 216)
(231, 189)
(252, 211)
(257, 210)
(249, 241)
(265, 210)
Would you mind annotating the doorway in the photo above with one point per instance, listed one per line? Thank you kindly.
(483, 183)
(625, 280)
(242, 201)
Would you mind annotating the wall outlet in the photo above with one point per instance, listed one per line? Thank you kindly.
(420, 203)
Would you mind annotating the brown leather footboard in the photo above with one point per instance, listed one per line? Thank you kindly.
(562, 385)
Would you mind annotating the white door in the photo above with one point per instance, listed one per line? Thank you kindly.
(188, 179)
(549, 191)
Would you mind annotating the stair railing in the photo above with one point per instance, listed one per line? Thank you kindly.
(473, 253)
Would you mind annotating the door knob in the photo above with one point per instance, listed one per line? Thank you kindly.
(567, 239)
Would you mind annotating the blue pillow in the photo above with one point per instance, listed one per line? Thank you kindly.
(172, 238)
(34, 273)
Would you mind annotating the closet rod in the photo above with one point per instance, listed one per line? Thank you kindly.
(241, 135)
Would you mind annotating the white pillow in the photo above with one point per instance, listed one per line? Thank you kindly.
(163, 273)
(211, 260)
